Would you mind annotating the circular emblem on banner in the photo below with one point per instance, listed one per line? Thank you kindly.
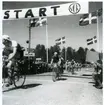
(74, 8)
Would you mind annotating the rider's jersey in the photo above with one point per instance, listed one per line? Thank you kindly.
(7, 50)
(55, 59)
(69, 63)
(62, 61)
(18, 49)
(14, 43)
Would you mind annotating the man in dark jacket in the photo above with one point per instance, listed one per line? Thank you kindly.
(99, 74)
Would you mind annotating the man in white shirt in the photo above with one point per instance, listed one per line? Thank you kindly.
(9, 50)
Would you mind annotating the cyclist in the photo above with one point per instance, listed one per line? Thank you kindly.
(10, 51)
(98, 75)
(55, 58)
(72, 65)
(66, 64)
(55, 62)
(61, 60)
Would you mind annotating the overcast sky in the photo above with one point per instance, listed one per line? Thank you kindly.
(67, 26)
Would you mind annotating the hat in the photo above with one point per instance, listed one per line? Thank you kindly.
(6, 37)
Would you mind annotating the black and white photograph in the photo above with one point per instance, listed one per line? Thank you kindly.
(52, 53)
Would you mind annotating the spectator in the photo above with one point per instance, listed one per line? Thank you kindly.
(98, 76)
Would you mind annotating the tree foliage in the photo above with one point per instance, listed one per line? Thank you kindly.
(69, 53)
(78, 55)
(40, 52)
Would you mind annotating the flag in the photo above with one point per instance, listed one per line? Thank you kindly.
(90, 18)
(36, 22)
(92, 56)
(63, 39)
(92, 40)
(60, 41)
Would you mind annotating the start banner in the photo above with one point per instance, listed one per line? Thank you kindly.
(71, 8)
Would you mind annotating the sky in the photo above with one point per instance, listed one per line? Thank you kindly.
(57, 27)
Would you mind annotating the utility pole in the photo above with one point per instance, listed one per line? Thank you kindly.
(29, 45)
(47, 40)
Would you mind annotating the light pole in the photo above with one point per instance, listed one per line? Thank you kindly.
(29, 44)
(47, 40)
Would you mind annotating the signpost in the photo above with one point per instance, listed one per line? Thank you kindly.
(29, 54)
(38, 59)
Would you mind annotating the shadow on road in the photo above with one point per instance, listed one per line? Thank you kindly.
(51, 74)
(75, 76)
(30, 86)
(62, 79)
(87, 75)
(92, 82)
(44, 75)
(97, 87)
(27, 86)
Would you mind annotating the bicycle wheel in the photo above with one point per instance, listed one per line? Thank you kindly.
(54, 75)
(3, 82)
(3, 78)
(19, 79)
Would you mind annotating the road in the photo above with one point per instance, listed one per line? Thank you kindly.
(71, 89)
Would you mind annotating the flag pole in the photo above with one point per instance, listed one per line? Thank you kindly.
(29, 36)
(29, 43)
(97, 32)
(65, 52)
(47, 40)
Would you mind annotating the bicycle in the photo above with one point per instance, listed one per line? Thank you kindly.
(72, 69)
(17, 75)
(55, 72)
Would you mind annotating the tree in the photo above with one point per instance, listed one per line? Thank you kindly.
(37, 51)
(63, 52)
(40, 52)
(69, 53)
(56, 48)
(50, 53)
(74, 54)
(86, 52)
(81, 54)
(43, 52)
(77, 57)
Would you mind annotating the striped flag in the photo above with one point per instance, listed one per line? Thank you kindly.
(92, 40)
(90, 18)
(36, 22)
(60, 41)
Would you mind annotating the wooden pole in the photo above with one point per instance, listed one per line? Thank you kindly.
(29, 44)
